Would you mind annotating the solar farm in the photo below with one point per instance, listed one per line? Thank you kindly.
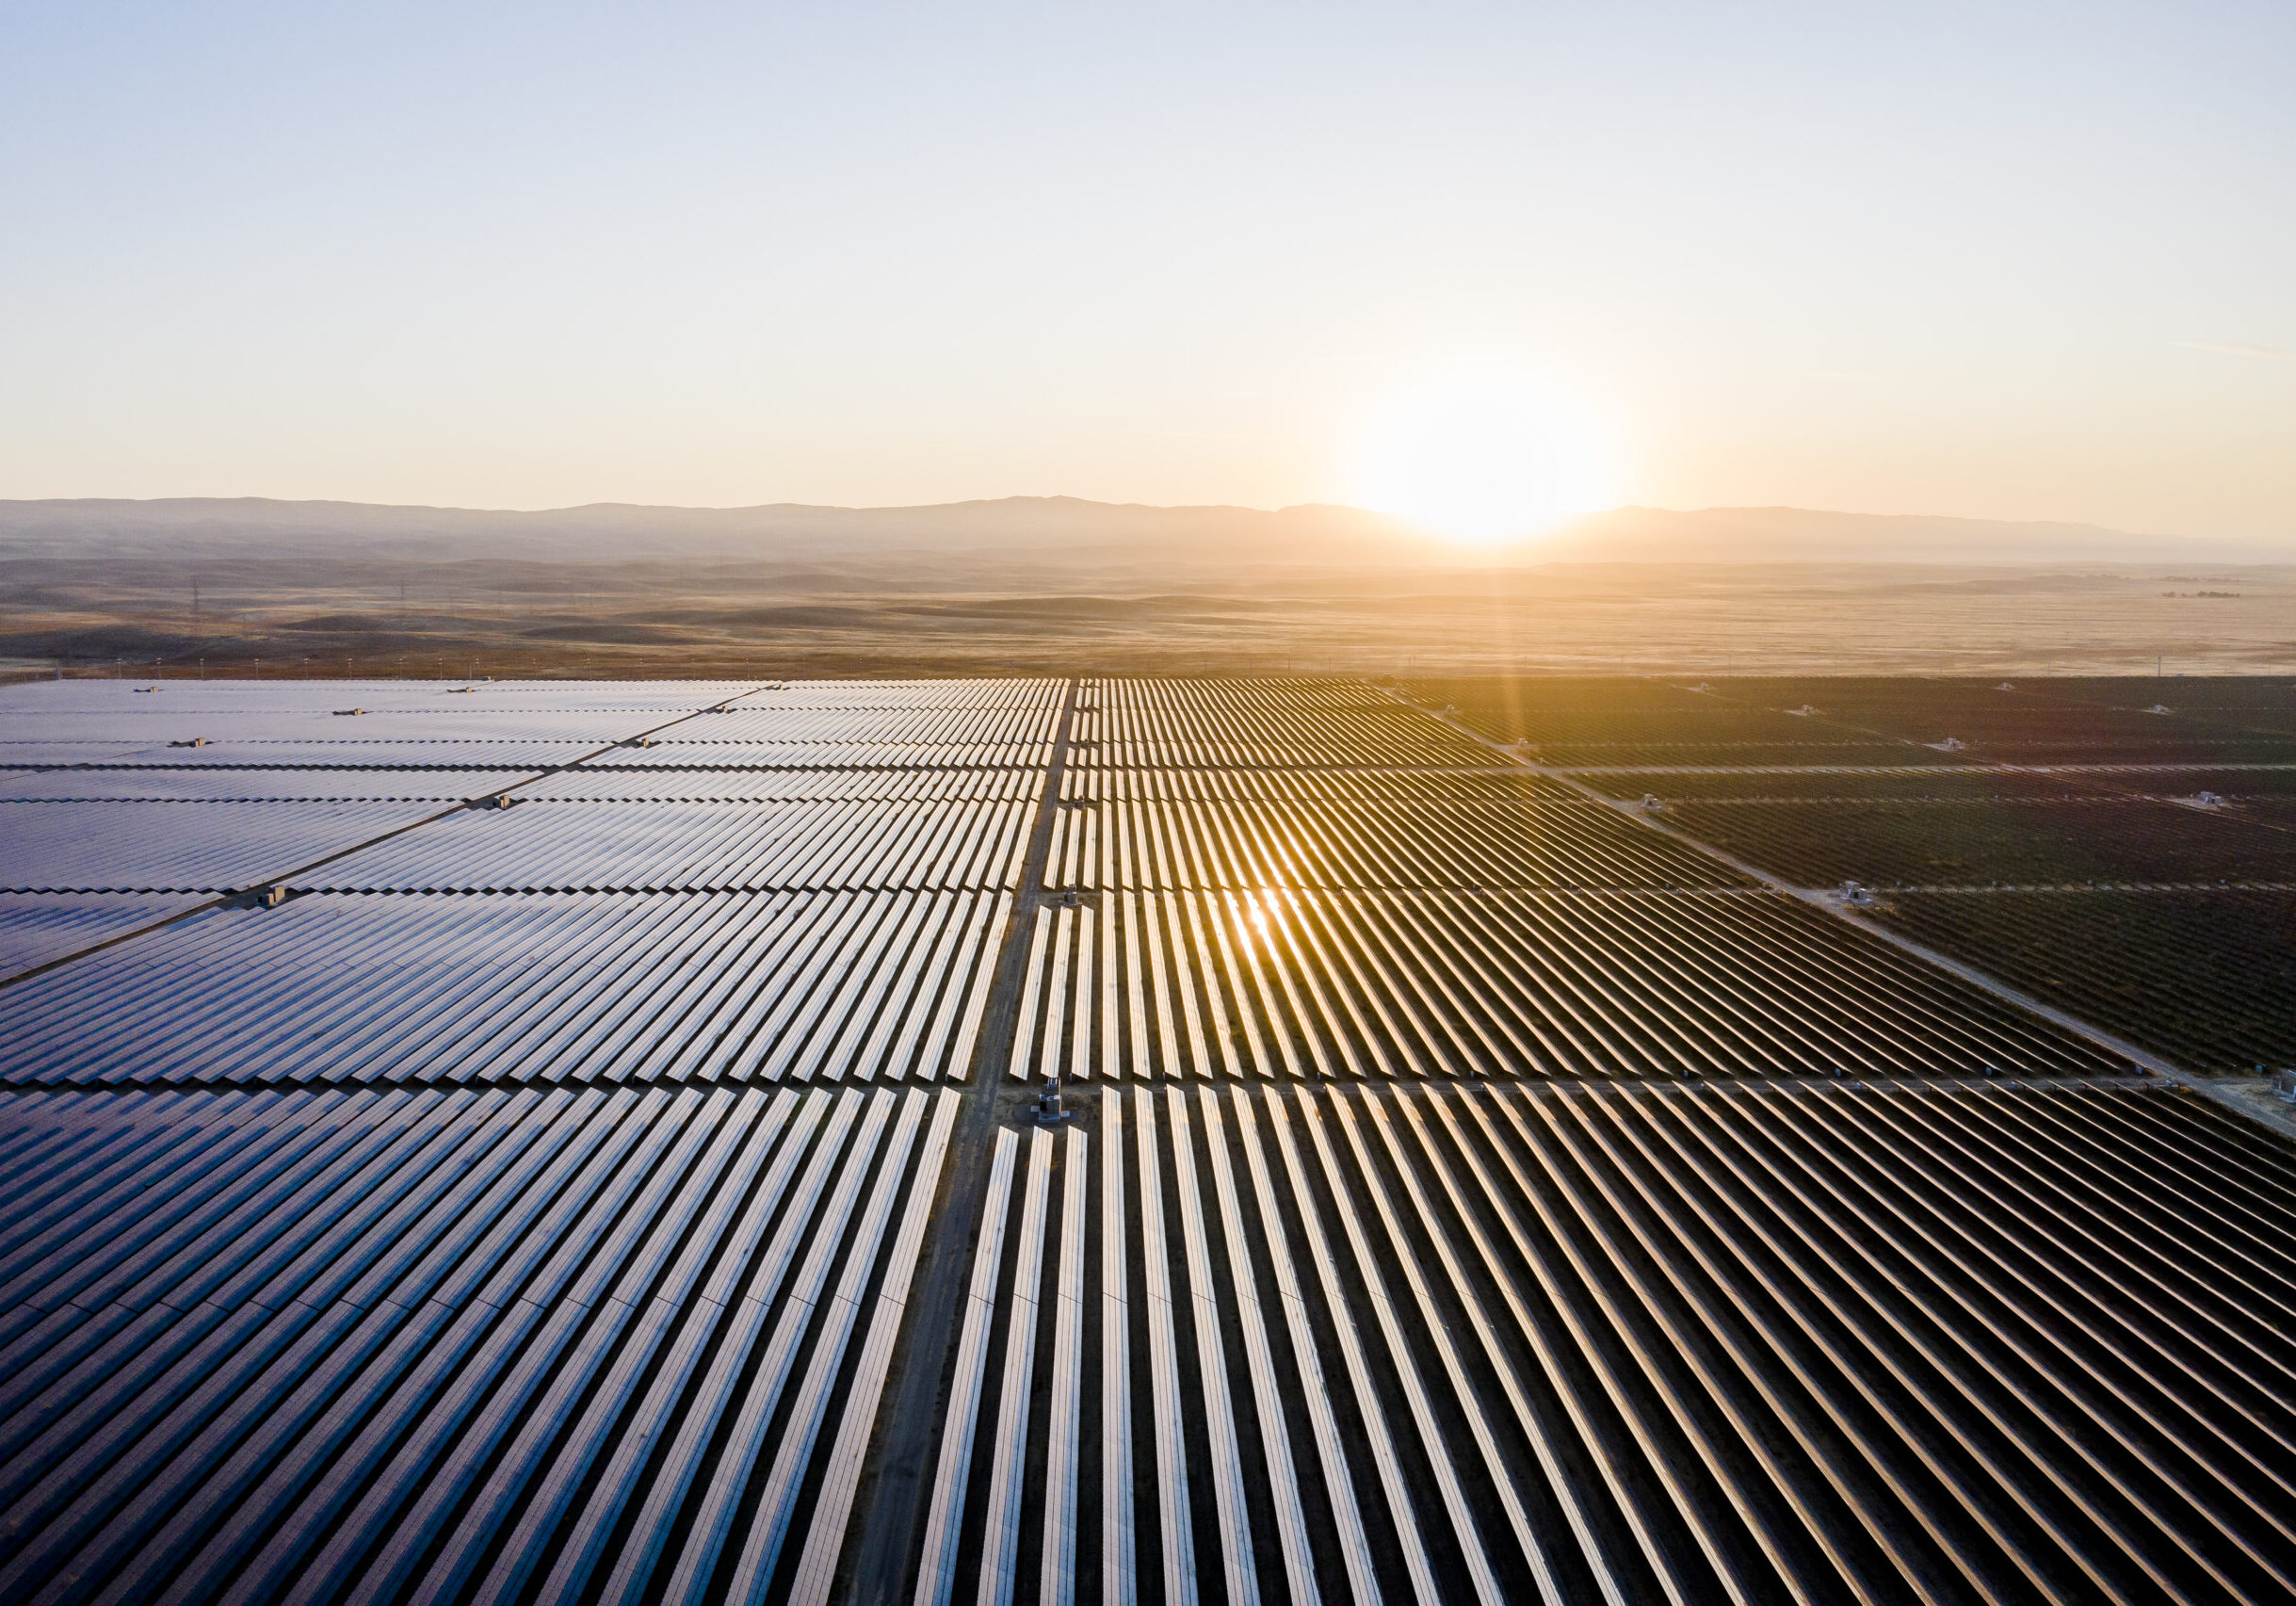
(1145, 1143)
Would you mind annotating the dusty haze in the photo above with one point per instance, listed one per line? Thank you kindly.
(1033, 584)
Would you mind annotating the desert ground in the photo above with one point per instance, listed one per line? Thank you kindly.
(928, 614)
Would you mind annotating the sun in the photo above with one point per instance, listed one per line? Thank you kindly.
(1486, 454)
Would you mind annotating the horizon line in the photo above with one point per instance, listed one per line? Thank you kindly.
(10, 502)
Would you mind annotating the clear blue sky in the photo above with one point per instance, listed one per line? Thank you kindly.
(1998, 259)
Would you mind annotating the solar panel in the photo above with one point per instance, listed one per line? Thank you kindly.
(1464, 1190)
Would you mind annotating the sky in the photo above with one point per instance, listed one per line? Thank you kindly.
(1993, 260)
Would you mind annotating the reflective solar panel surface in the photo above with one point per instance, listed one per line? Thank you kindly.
(588, 1141)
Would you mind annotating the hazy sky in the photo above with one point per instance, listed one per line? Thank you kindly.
(1996, 259)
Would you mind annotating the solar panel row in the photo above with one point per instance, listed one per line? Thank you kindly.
(587, 987)
(581, 783)
(1506, 1344)
(320, 816)
(1362, 784)
(337, 754)
(770, 718)
(180, 847)
(397, 1344)
(457, 1246)
(1395, 843)
(739, 755)
(1288, 983)
(40, 929)
(696, 847)
(1393, 935)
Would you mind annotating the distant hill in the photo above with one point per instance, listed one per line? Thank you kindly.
(1050, 529)
(1800, 535)
(1036, 524)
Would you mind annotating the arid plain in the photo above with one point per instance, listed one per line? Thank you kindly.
(903, 614)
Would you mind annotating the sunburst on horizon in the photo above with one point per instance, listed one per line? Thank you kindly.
(1486, 454)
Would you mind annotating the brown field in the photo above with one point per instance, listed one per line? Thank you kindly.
(891, 614)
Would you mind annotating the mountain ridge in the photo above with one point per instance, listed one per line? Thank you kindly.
(1218, 535)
